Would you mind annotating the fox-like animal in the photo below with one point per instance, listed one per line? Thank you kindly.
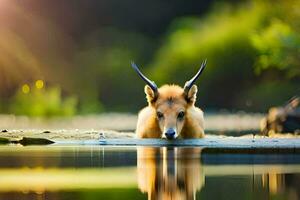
(171, 112)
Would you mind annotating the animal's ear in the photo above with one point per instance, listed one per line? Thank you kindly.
(192, 94)
(150, 94)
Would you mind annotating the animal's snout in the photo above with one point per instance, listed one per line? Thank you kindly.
(170, 133)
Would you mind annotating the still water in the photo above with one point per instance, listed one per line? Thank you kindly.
(86, 173)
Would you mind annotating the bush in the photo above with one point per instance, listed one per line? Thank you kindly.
(38, 100)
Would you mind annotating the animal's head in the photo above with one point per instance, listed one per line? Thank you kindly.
(171, 102)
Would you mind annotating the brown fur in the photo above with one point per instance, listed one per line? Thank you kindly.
(170, 101)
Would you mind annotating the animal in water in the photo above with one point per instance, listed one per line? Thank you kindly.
(171, 112)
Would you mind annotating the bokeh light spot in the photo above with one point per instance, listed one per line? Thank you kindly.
(39, 84)
(25, 89)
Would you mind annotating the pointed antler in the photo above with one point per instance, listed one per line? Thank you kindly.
(150, 83)
(190, 83)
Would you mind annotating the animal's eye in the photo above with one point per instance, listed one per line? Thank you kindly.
(159, 115)
(180, 115)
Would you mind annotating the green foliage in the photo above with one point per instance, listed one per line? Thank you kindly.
(36, 100)
(278, 46)
(222, 38)
(252, 50)
(237, 41)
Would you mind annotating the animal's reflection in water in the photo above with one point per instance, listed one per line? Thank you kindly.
(169, 173)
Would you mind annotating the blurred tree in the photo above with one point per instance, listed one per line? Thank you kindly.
(234, 38)
(278, 43)
(251, 47)
(223, 38)
(277, 63)
(278, 46)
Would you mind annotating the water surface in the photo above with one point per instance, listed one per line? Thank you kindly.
(95, 172)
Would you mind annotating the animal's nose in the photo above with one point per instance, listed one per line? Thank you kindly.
(170, 133)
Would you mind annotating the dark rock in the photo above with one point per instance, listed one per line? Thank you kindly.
(4, 140)
(35, 141)
(46, 131)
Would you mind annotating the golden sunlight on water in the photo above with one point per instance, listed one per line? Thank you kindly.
(54, 179)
